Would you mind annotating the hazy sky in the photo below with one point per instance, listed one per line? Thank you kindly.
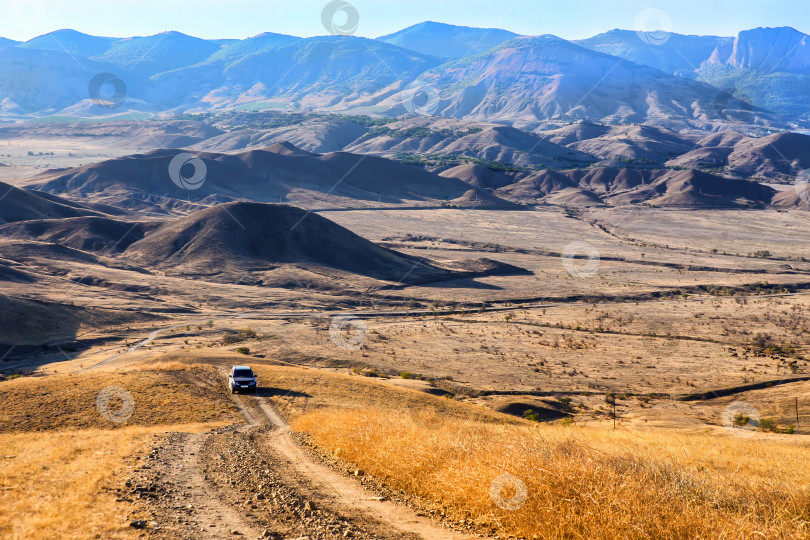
(24, 19)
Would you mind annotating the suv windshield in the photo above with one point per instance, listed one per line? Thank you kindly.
(246, 373)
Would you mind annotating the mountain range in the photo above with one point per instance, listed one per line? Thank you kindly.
(766, 67)
(429, 69)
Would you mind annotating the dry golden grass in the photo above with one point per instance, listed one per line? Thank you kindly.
(298, 390)
(176, 365)
(58, 484)
(580, 482)
(171, 395)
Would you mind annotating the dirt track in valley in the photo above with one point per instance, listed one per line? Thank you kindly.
(254, 480)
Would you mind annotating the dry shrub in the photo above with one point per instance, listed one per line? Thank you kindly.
(580, 482)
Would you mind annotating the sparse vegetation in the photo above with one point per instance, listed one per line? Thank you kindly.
(229, 338)
(767, 424)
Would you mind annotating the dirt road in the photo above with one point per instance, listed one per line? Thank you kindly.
(254, 480)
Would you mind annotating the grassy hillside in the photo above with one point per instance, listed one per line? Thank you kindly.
(578, 482)
(62, 461)
(60, 484)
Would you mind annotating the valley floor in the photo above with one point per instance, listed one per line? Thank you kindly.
(691, 336)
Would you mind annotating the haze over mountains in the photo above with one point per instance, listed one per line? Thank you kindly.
(489, 74)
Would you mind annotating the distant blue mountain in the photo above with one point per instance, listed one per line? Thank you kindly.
(318, 71)
(530, 79)
(680, 53)
(487, 74)
(447, 40)
(41, 80)
(149, 55)
(5, 42)
(782, 49)
(256, 44)
(770, 67)
(71, 42)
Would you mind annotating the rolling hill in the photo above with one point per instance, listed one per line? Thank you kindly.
(240, 242)
(780, 156)
(145, 134)
(280, 172)
(482, 141)
(23, 205)
(320, 135)
(659, 187)
(100, 234)
(237, 237)
(632, 145)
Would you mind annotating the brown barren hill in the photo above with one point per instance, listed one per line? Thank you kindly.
(477, 175)
(22, 205)
(278, 171)
(695, 188)
(247, 237)
(775, 156)
(480, 199)
(690, 188)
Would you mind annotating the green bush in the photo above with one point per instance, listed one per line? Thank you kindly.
(741, 420)
(243, 350)
(530, 415)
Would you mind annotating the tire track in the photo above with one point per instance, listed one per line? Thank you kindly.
(334, 489)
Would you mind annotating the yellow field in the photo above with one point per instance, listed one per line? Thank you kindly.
(59, 484)
(61, 458)
(579, 482)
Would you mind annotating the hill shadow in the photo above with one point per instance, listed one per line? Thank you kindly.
(280, 392)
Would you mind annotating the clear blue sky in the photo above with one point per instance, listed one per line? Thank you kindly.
(571, 19)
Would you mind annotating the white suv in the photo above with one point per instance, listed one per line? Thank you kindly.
(242, 378)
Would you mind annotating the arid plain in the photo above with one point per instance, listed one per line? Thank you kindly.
(629, 334)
